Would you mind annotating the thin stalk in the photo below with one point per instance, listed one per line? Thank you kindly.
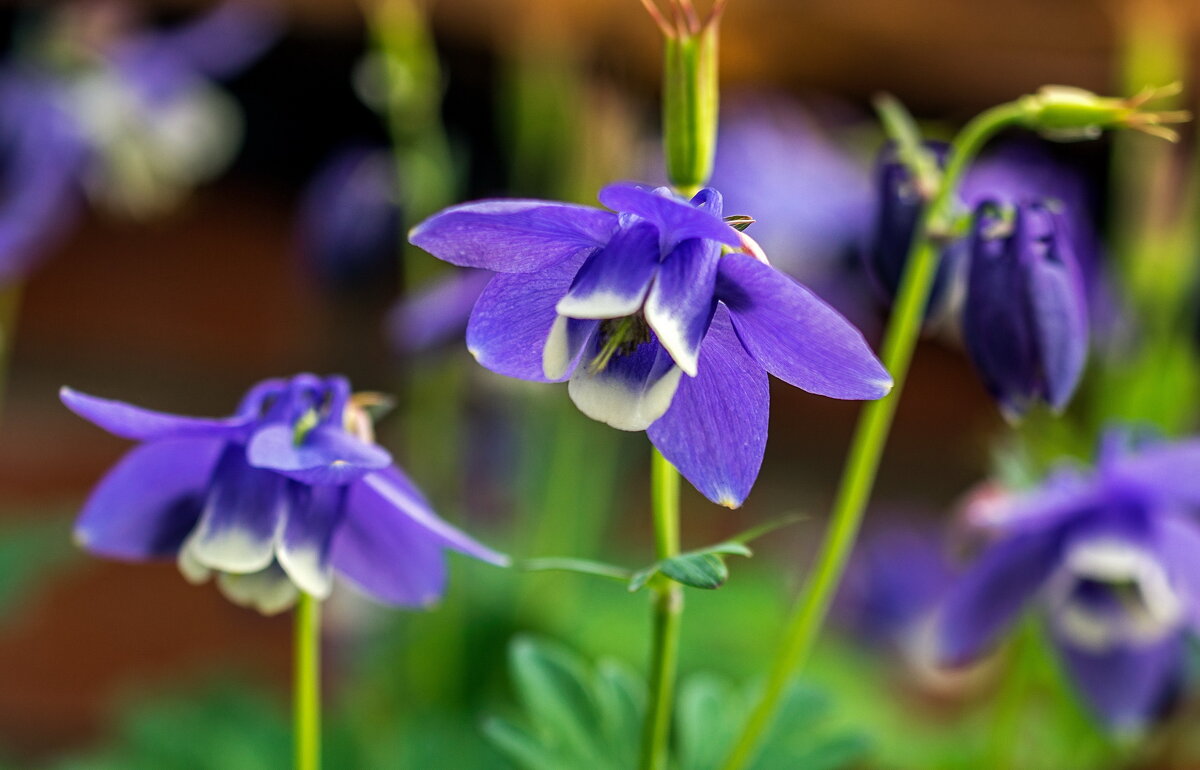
(668, 611)
(307, 683)
(870, 437)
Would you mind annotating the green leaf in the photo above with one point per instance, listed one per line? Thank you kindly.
(704, 568)
(581, 566)
(698, 570)
(711, 711)
(574, 714)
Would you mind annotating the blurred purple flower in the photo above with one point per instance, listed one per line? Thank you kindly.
(810, 197)
(623, 305)
(274, 499)
(1112, 557)
(148, 104)
(895, 580)
(349, 227)
(41, 155)
(1025, 318)
(1014, 173)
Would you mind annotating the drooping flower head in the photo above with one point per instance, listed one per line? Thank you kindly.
(1110, 556)
(1025, 319)
(653, 319)
(272, 500)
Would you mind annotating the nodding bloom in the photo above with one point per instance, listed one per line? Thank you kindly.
(1110, 556)
(272, 500)
(1015, 172)
(1025, 319)
(651, 318)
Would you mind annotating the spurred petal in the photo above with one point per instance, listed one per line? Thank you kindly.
(987, 598)
(715, 432)
(149, 502)
(513, 236)
(681, 302)
(676, 219)
(613, 281)
(243, 511)
(795, 335)
(132, 422)
(303, 550)
(1060, 318)
(327, 455)
(1127, 686)
(569, 337)
(631, 391)
(512, 319)
(270, 591)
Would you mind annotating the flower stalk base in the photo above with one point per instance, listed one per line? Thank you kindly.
(307, 683)
(668, 616)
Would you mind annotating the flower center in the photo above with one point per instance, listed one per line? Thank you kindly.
(620, 336)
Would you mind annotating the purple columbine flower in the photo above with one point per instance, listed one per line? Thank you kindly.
(653, 325)
(1111, 556)
(1025, 320)
(274, 499)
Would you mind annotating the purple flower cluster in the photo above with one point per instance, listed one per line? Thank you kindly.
(1017, 282)
(272, 500)
(656, 316)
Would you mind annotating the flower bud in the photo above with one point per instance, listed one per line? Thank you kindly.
(1025, 316)
(1065, 113)
(899, 204)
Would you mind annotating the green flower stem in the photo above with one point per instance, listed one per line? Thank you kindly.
(668, 610)
(307, 683)
(870, 436)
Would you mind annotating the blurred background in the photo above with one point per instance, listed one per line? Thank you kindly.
(230, 205)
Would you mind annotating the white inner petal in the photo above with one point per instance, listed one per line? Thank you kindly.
(557, 354)
(619, 403)
(671, 330)
(268, 591)
(1150, 610)
(601, 305)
